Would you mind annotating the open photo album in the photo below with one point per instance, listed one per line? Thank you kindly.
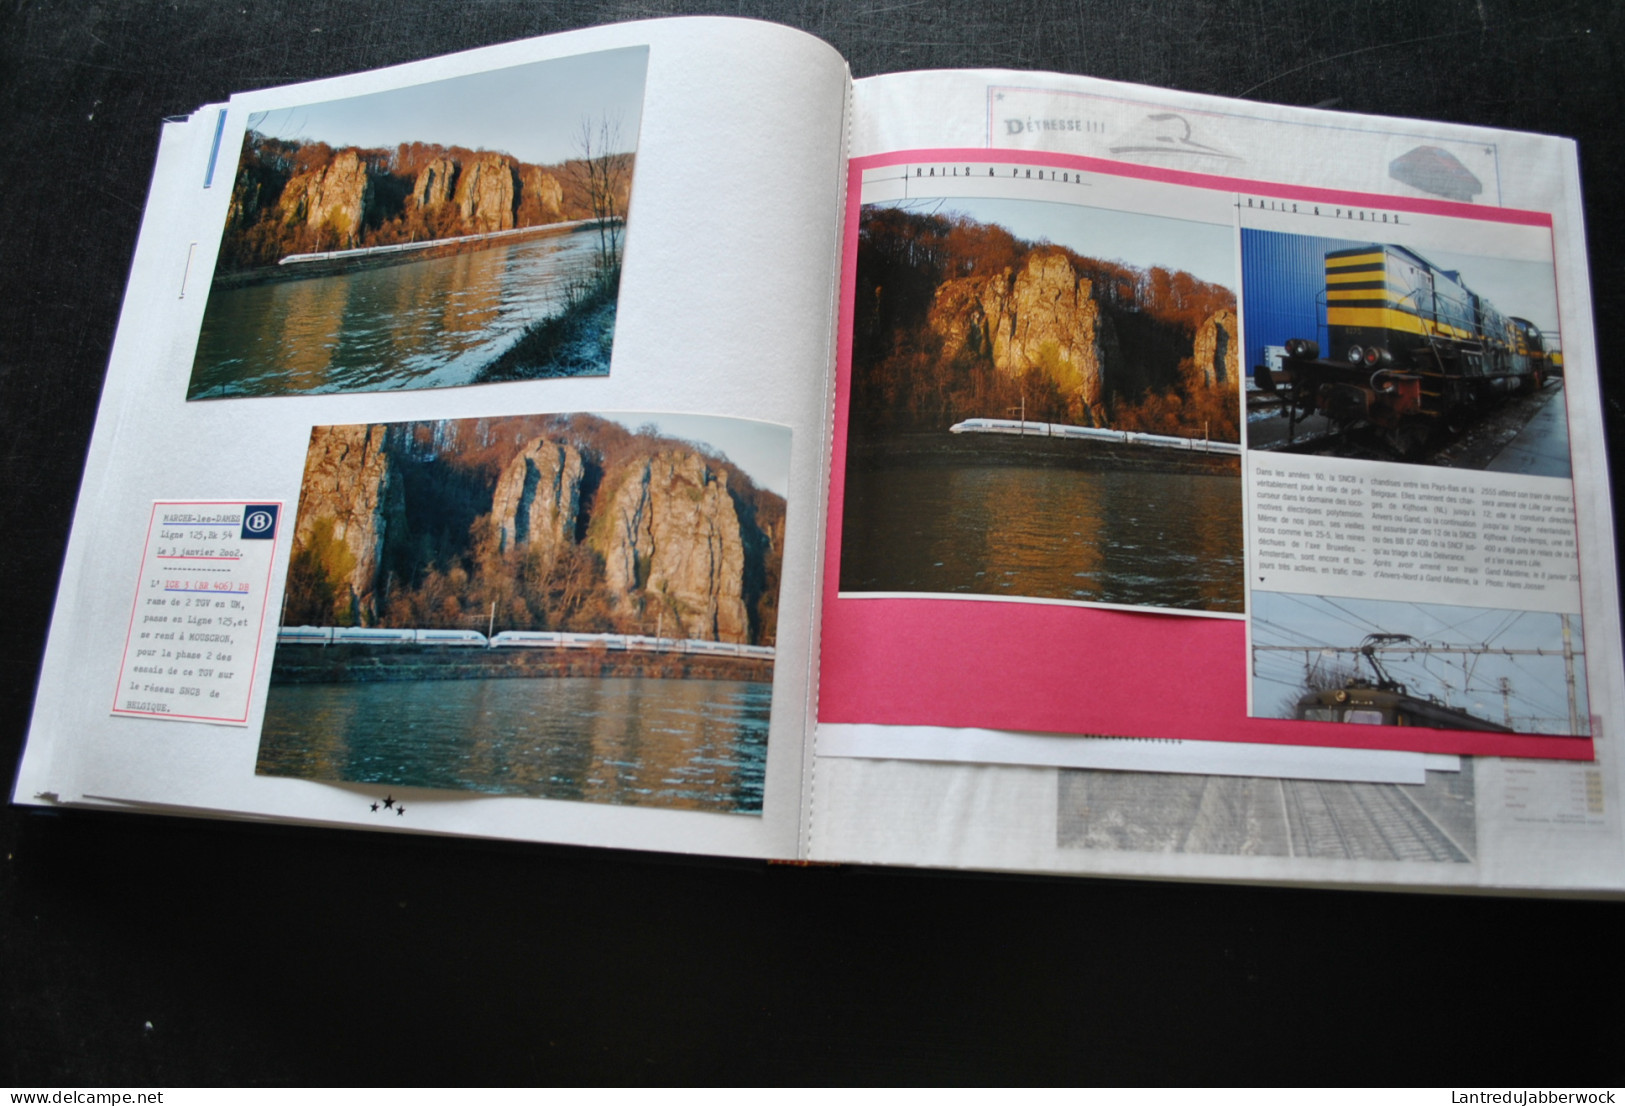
(651, 437)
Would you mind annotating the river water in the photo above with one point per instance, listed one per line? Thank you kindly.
(1100, 536)
(430, 323)
(678, 744)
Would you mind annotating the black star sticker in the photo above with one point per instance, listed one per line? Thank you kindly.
(400, 810)
(375, 808)
(389, 802)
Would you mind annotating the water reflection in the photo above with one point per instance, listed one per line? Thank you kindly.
(428, 323)
(679, 744)
(1128, 537)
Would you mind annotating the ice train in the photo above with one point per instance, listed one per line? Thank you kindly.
(515, 639)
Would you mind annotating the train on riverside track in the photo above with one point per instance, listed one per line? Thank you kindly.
(1412, 351)
(515, 639)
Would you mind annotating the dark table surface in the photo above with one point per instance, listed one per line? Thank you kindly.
(161, 952)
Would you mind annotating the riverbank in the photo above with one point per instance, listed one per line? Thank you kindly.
(329, 664)
(575, 342)
(434, 323)
(916, 449)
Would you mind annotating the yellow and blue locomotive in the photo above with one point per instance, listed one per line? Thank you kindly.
(1411, 349)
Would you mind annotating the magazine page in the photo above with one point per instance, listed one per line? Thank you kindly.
(1083, 485)
(460, 463)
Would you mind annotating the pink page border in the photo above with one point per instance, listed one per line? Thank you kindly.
(1082, 670)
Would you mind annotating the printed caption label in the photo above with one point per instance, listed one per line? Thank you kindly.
(194, 633)
(1414, 533)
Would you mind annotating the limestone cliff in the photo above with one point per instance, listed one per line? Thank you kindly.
(293, 197)
(350, 491)
(956, 318)
(434, 182)
(538, 498)
(485, 194)
(335, 196)
(1216, 353)
(1041, 318)
(544, 522)
(670, 537)
(248, 196)
(541, 196)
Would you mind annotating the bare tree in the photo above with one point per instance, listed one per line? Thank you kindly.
(1317, 677)
(602, 172)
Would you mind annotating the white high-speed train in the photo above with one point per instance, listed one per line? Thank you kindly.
(514, 639)
(1090, 433)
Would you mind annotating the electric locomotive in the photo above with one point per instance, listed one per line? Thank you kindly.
(1381, 700)
(1411, 349)
(1364, 701)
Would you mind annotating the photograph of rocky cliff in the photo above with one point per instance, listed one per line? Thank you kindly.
(564, 606)
(466, 230)
(1045, 404)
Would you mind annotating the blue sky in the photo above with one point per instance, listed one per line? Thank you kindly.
(533, 112)
(1207, 251)
(1537, 683)
(1526, 289)
(762, 449)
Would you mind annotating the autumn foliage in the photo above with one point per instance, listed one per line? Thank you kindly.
(261, 230)
(906, 376)
(443, 565)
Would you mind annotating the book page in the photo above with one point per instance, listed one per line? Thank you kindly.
(1017, 607)
(528, 348)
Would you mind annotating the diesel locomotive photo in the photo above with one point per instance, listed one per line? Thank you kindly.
(1412, 354)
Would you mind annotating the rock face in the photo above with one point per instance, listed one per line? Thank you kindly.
(485, 194)
(293, 197)
(434, 182)
(335, 196)
(247, 194)
(673, 538)
(1042, 318)
(538, 498)
(350, 484)
(541, 194)
(1216, 352)
(541, 523)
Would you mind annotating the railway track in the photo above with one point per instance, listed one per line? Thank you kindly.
(1473, 446)
(1363, 822)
